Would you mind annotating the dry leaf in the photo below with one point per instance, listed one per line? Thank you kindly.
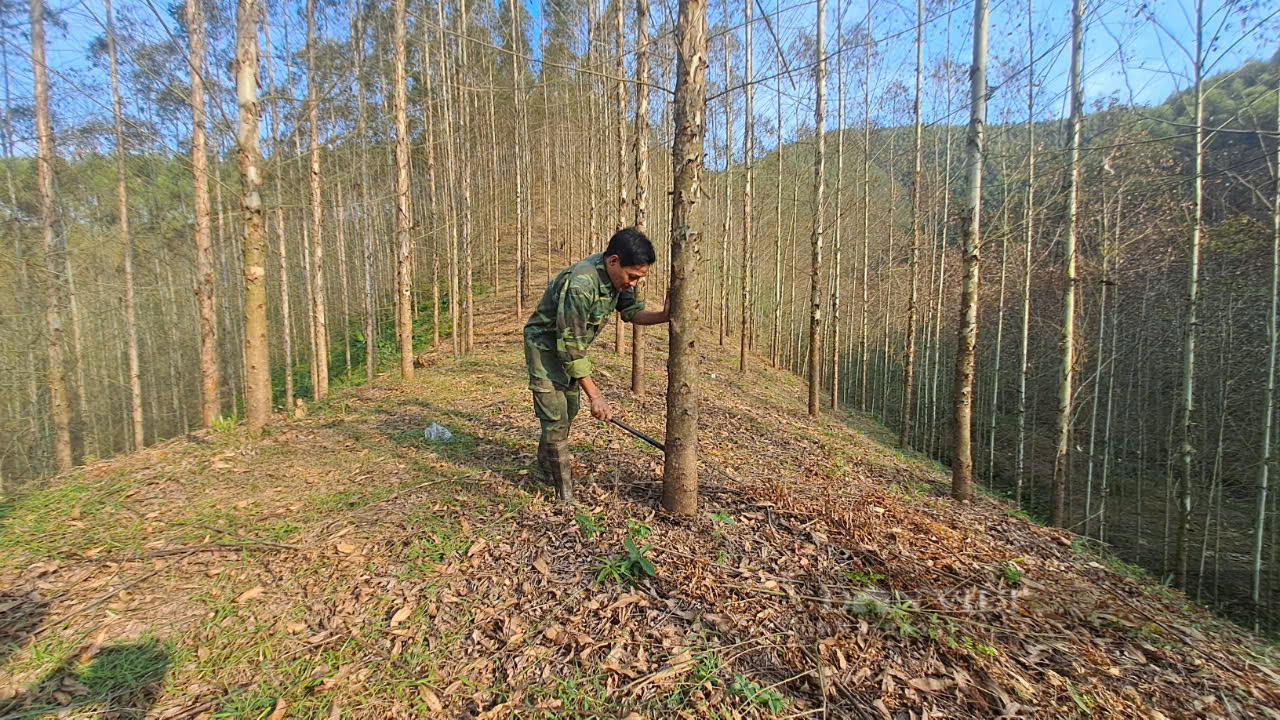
(430, 699)
(278, 712)
(345, 548)
(294, 628)
(401, 615)
(540, 564)
(476, 547)
(931, 684)
(250, 594)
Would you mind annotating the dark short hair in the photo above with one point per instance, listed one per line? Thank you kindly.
(632, 248)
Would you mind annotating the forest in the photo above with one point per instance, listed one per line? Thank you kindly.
(216, 211)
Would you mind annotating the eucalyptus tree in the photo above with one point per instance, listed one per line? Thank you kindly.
(680, 474)
(967, 332)
(641, 153)
(404, 220)
(319, 320)
(257, 370)
(1066, 344)
(819, 210)
(209, 406)
(54, 246)
(122, 202)
(748, 186)
(909, 366)
(1269, 397)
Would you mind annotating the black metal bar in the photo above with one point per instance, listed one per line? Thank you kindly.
(638, 434)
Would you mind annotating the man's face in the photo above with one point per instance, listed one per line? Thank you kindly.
(624, 277)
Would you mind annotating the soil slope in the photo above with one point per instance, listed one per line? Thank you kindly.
(343, 566)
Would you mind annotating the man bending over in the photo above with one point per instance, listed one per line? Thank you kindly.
(575, 306)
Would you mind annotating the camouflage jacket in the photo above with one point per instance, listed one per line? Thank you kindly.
(575, 306)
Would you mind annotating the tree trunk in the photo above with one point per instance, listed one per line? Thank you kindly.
(909, 366)
(433, 197)
(1189, 349)
(404, 221)
(1269, 398)
(209, 406)
(518, 161)
(1066, 375)
(748, 187)
(1019, 471)
(819, 210)
(319, 323)
(286, 321)
(642, 172)
(775, 345)
(620, 98)
(967, 335)
(680, 475)
(257, 390)
(122, 200)
(863, 347)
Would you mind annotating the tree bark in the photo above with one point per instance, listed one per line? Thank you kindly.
(1187, 453)
(55, 250)
(404, 221)
(641, 153)
(967, 335)
(286, 334)
(748, 188)
(319, 322)
(122, 200)
(680, 475)
(257, 366)
(209, 406)
(909, 367)
(1269, 397)
(1029, 217)
(819, 211)
(1066, 374)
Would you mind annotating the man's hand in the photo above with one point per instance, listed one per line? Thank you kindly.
(601, 409)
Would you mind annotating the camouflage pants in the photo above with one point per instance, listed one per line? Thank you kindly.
(555, 395)
(555, 411)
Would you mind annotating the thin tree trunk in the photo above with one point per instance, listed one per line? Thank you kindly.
(620, 98)
(680, 475)
(819, 210)
(122, 201)
(518, 161)
(209, 406)
(286, 321)
(748, 188)
(1066, 375)
(404, 220)
(642, 172)
(909, 367)
(257, 391)
(446, 110)
(436, 233)
(1019, 471)
(864, 351)
(319, 323)
(1189, 349)
(775, 345)
(967, 336)
(1268, 401)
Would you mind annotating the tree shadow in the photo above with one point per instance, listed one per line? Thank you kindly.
(115, 683)
(21, 616)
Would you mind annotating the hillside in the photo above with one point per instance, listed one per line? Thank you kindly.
(342, 566)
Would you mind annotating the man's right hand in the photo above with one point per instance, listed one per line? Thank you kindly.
(601, 410)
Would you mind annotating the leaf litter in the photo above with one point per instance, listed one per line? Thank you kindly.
(824, 576)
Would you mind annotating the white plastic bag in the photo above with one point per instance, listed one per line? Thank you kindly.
(435, 432)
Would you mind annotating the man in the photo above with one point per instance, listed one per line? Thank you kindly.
(575, 306)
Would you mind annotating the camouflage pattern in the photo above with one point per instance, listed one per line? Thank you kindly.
(574, 308)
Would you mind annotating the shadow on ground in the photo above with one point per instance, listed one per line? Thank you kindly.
(114, 682)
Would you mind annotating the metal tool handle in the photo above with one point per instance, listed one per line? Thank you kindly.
(638, 434)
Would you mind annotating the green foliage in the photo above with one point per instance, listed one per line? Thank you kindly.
(1011, 574)
(224, 424)
(723, 518)
(589, 525)
(752, 692)
(863, 577)
(637, 529)
(628, 569)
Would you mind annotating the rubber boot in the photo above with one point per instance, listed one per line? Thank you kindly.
(562, 471)
(545, 451)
